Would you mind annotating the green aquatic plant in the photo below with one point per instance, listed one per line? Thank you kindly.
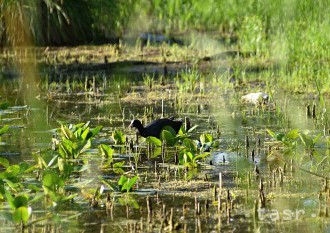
(119, 137)
(288, 139)
(207, 141)
(20, 208)
(188, 154)
(4, 105)
(168, 135)
(154, 141)
(11, 177)
(76, 139)
(126, 184)
(308, 141)
(148, 80)
(4, 129)
(106, 151)
(188, 81)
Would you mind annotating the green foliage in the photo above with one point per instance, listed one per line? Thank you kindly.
(126, 184)
(288, 139)
(21, 211)
(119, 137)
(106, 151)
(188, 81)
(251, 34)
(76, 139)
(188, 154)
(308, 141)
(46, 21)
(4, 105)
(4, 129)
(154, 141)
(10, 179)
(168, 135)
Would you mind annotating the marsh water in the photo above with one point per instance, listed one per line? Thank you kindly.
(183, 200)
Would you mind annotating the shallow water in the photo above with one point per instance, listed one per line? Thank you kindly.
(295, 199)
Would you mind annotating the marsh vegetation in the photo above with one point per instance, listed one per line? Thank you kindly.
(249, 79)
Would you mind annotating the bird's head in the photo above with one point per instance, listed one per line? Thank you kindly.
(136, 124)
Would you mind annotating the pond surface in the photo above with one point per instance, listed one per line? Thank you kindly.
(267, 186)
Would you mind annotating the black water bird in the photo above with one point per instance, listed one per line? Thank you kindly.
(155, 127)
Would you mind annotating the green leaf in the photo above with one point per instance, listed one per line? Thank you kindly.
(106, 151)
(204, 138)
(4, 162)
(190, 144)
(306, 140)
(51, 162)
(86, 134)
(22, 214)
(66, 133)
(292, 134)
(168, 137)
(4, 106)
(53, 181)
(118, 137)
(122, 180)
(14, 186)
(129, 184)
(192, 128)
(118, 164)
(20, 201)
(4, 129)
(12, 171)
(271, 133)
(10, 199)
(202, 156)
(96, 130)
(155, 141)
(280, 136)
(118, 170)
(170, 129)
(156, 152)
(316, 138)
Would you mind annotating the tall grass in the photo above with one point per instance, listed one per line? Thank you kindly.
(291, 33)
